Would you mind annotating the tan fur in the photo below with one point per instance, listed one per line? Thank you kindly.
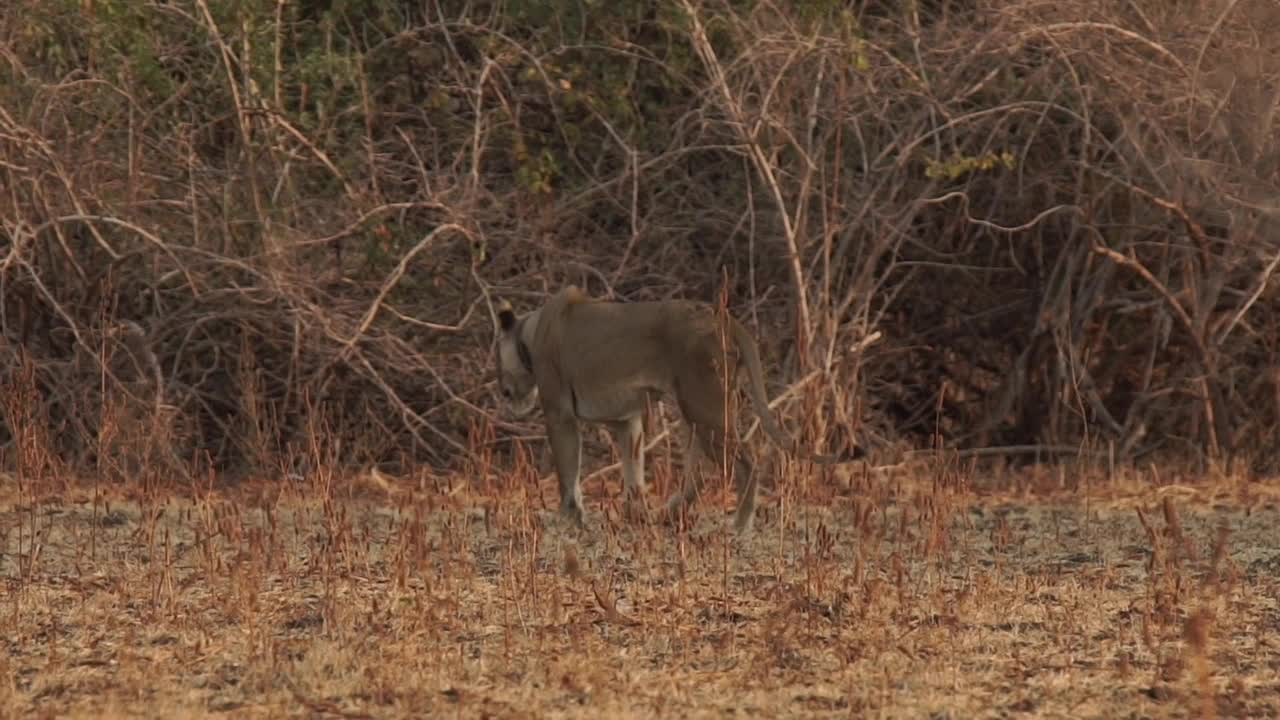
(597, 361)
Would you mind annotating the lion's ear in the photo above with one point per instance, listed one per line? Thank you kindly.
(506, 316)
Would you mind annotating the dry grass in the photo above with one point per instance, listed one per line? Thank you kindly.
(1035, 595)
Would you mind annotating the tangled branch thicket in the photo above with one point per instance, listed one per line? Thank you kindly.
(226, 225)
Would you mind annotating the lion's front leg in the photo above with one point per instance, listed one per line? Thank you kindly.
(628, 435)
(566, 451)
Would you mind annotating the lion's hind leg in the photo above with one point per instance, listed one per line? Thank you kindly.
(690, 477)
(710, 442)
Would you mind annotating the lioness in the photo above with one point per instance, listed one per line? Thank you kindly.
(596, 361)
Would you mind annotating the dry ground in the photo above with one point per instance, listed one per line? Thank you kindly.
(931, 595)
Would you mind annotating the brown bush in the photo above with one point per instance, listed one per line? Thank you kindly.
(245, 221)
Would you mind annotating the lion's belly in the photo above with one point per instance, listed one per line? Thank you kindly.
(619, 403)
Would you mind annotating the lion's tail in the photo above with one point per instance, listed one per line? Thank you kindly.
(750, 355)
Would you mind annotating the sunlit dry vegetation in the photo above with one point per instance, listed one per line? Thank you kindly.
(908, 594)
(1021, 251)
